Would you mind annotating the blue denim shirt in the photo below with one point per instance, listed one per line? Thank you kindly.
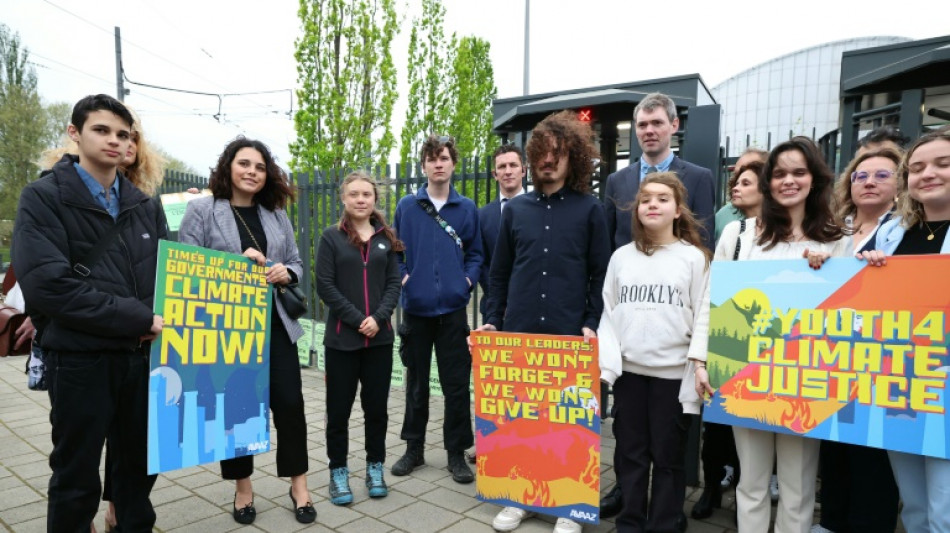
(110, 203)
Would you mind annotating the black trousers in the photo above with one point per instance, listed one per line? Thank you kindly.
(858, 491)
(447, 333)
(719, 450)
(370, 369)
(286, 403)
(95, 395)
(650, 429)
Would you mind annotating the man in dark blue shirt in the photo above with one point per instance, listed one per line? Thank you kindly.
(547, 274)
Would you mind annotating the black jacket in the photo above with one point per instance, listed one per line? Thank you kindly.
(353, 287)
(58, 222)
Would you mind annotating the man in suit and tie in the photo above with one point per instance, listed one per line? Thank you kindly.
(509, 173)
(655, 122)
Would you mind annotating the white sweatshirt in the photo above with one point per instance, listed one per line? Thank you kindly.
(656, 316)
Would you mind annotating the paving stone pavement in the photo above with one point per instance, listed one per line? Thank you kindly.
(196, 499)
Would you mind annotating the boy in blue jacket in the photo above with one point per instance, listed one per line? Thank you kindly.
(442, 260)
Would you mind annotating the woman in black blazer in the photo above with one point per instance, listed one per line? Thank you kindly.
(358, 280)
(245, 215)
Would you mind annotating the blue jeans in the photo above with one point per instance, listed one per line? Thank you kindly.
(924, 484)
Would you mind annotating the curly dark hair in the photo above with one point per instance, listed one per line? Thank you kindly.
(434, 144)
(819, 222)
(277, 191)
(573, 139)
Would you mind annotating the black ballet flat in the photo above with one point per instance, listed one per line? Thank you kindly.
(244, 515)
(306, 514)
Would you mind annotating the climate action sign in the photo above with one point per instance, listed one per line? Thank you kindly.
(210, 367)
(849, 353)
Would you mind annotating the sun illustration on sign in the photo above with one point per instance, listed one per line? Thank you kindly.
(747, 299)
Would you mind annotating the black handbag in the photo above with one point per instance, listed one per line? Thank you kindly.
(293, 300)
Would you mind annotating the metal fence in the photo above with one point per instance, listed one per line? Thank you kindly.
(318, 206)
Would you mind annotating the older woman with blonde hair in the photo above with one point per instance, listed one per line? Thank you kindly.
(857, 486)
(866, 193)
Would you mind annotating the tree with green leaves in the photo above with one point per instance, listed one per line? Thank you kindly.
(429, 68)
(23, 121)
(347, 84)
(58, 116)
(471, 94)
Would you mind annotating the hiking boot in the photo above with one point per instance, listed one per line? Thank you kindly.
(340, 493)
(461, 473)
(408, 462)
(374, 480)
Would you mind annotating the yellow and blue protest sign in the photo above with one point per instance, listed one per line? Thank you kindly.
(210, 366)
(849, 352)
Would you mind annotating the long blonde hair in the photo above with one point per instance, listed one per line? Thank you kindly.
(146, 172)
(912, 211)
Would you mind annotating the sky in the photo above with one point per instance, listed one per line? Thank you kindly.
(244, 46)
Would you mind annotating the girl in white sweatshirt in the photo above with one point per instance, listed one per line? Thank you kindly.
(652, 337)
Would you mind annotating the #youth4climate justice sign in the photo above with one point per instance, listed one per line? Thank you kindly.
(849, 352)
(210, 366)
(537, 423)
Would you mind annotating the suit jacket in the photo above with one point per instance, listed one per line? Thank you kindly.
(489, 219)
(209, 222)
(622, 187)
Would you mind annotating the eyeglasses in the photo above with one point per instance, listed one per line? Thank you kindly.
(878, 175)
(446, 139)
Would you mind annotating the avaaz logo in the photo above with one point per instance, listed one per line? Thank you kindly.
(582, 515)
(254, 446)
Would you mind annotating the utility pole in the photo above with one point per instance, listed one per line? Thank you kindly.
(119, 85)
(527, 18)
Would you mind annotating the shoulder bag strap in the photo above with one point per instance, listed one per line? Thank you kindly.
(449, 230)
(735, 255)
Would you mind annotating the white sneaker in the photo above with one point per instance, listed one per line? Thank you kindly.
(565, 525)
(509, 518)
(817, 528)
(773, 488)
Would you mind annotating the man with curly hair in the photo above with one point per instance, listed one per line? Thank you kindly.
(547, 275)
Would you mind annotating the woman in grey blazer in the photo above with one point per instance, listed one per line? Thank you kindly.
(246, 216)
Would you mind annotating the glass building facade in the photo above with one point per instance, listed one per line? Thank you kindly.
(795, 94)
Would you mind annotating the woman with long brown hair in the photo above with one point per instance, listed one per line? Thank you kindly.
(245, 215)
(796, 221)
(653, 351)
(358, 280)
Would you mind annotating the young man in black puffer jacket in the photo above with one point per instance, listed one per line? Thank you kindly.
(94, 314)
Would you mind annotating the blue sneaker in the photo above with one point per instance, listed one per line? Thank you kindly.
(374, 480)
(340, 493)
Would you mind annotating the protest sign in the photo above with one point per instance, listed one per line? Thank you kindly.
(210, 367)
(849, 352)
(537, 423)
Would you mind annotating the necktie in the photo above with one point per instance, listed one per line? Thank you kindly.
(651, 170)
(503, 202)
